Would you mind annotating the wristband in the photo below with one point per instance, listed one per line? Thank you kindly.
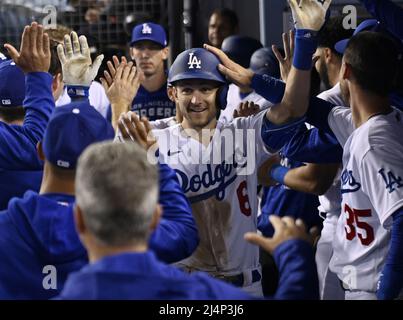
(278, 172)
(305, 46)
(75, 92)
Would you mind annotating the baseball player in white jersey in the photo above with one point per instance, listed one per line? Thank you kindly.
(368, 245)
(216, 164)
(330, 204)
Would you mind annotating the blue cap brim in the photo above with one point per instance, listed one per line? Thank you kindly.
(341, 46)
(147, 39)
(191, 75)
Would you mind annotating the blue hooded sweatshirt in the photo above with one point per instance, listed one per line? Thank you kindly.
(39, 245)
(20, 167)
(139, 276)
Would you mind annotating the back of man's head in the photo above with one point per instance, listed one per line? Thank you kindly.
(56, 36)
(117, 192)
(373, 58)
(332, 32)
(12, 92)
(71, 129)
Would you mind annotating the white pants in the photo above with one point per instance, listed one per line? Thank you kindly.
(255, 289)
(329, 284)
(360, 295)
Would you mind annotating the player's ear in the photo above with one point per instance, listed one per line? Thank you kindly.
(156, 217)
(328, 55)
(346, 71)
(79, 220)
(39, 150)
(171, 95)
(175, 93)
(165, 53)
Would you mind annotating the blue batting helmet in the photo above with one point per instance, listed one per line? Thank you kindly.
(240, 48)
(197, 63)
(264, 61)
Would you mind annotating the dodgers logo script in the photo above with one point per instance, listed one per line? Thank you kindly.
(214, 176)
(194, 61)
(348, 182)
(146, 29)
(392, 181)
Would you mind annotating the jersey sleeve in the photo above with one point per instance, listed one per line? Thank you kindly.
(341, 123)
(298, 278)
(313, 146)
(18, 143)
(176, 236)
(381, 173)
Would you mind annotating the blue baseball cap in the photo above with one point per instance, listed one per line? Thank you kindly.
(366, 25)
(71, 129)
(149, 31)
(12, 84)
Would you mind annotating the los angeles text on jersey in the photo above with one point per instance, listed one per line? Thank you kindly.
(228, 150)
(155, 109)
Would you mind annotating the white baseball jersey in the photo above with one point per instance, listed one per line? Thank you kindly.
(372, 190)
(161, 124)
(234, 99)
(220, 181)
(330, 202)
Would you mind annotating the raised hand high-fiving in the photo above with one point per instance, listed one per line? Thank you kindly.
(34, 54)
(309, 14)
(75, 57)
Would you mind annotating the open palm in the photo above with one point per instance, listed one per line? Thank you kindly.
(309, 14)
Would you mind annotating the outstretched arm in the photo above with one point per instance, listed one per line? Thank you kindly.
(310, 16)
(18, 143)
(176, 237)
(292, 250)
(391, 281)
(121, 85)
(78, 68)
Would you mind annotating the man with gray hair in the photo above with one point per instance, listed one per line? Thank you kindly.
(114, 223)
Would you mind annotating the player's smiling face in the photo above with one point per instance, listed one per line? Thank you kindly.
(197, 103)
(149, 57)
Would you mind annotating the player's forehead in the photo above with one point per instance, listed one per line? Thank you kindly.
(147, 44)
(197, 84)
(217, 19)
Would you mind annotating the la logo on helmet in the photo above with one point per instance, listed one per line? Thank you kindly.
(146, 29)
(194, 61)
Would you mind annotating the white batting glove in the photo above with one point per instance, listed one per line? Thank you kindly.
(309, 14)
(75, 57)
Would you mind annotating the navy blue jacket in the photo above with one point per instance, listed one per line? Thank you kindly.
(20, 168)
(38, 231)
(16, 183)
(141, 276)
(18, 143)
